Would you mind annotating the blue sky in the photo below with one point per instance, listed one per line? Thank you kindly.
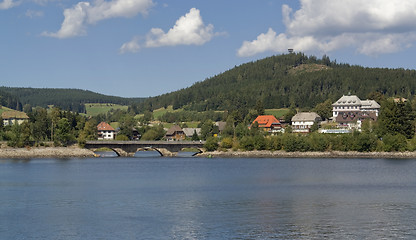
(141, 48)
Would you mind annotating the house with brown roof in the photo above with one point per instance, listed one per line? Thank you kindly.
(13, 117)
(175, 133)
(349, 111)
(302, 122)
(268, 123)
(105, 131)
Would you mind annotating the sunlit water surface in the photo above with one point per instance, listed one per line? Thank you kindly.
(196, 198)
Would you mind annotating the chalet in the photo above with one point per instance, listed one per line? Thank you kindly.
(105, 131)
(350, 111)
(269, 123)
(352, 103)
(303, 121)
(175, 133)
(13, 117)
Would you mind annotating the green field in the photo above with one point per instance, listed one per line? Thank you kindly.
(93, 109)
(276, 112)
(189, 124)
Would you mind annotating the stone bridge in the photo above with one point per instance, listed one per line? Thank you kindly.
(129, 148)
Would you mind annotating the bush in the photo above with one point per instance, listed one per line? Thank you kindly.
(365, 142)
(211, 144)
(259, 142)
(247, 143)
(317, 142)
(276, 143)
(394, 143)
(121, 137)
(227, 143)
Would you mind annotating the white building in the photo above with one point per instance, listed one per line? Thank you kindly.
(350, 111)
(105, 131)
(351, 103)
(302, 122)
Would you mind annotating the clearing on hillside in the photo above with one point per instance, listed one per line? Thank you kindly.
(93, 109)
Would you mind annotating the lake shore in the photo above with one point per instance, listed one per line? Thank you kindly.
(45, 152)
(75, 151)
(330, 154)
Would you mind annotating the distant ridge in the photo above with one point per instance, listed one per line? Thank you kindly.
(67, 99)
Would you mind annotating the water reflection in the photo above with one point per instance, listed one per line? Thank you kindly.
(147, 154)
(183, 198)
(106, 154)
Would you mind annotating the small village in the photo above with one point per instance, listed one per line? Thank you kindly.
(353, 126)
(348, 114)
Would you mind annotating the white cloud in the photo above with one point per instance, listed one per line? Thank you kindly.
(371, 27)
(132, 46)
(84, 13)
(188, 30)
(6, 4)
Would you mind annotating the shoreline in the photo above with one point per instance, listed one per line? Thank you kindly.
(75, 151)
(45, 152)
(330, 154)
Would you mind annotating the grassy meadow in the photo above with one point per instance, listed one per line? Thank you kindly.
(93, 109)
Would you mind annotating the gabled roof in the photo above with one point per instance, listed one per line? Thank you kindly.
(305, 116)
(266, 120)
(347, 100)
(103, 126)
(173, 129)
(14, 115)
(369, 104)
(190, 131)
(220, 125)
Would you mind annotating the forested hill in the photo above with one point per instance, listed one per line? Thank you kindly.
(287, 80)
(67, 99)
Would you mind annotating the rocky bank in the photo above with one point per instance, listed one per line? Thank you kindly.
(45, 152)
(331, 154)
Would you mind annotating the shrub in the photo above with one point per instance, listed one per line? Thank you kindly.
(121, 137)
(211, 144)
(259, 142)
(227, 143)
(394, 143)
(247, 143)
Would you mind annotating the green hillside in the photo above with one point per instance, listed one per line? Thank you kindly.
(67, 99)
(289, 80)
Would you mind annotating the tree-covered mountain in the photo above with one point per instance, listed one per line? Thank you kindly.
(66, 99)
(286, 80)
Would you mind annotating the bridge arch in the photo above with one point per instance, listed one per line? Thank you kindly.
(149, 149)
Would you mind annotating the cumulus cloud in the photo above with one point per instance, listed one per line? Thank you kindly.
(372, 27)
(6, 4)
(188, 30)
(85, 13)
(132, 46)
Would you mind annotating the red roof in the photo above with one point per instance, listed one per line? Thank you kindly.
(266, 121)
(103, 126)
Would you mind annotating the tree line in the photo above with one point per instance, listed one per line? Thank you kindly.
(66, 99)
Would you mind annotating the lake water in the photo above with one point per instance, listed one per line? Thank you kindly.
(196, 198)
